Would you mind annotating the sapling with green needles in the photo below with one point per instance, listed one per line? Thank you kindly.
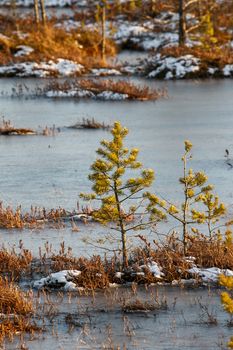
(116, 191)
(195, 191)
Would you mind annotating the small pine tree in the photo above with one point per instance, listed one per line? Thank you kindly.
(116, 192)
(194, 192)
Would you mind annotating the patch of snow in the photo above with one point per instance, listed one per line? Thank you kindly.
(111, 96)
(212, 70)
(105, 72)
(67, 67)
(151, 44)
(77, 94)
(114, 285)
(127, 29)
(23, 50)
(129, 69)
(155, 269)
(61, 279)
(172, 67)
(228, 70)
(118, 274)
(210, 274)
(61, 67)
(169, 75)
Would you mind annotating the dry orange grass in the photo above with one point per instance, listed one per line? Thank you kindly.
(207, 252)
(16, 308)
(134, 91)
(50, 42)
(13, 300)
(212, 56)
(12, 264)
(10, 218)
(212, 252)
(122, 87)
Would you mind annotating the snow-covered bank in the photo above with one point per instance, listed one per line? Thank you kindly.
(61, 67)
(67, 280)
(187, 66)
(211, 274)
(157, 66)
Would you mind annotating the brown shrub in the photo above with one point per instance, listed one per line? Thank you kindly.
(13, 300)
(134, 92)
(13, 265)
(16, 310)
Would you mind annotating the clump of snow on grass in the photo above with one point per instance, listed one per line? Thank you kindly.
(23, 50)
(61, 67)
(61, 279)
(105, 72)
(111, 96)
(119, 274)
(173, 67)
(210, 274)
(212, 70)
(67, 67)
(78, 93)
(127, 29)
(228, 70)
(154, 268)
(70, 93)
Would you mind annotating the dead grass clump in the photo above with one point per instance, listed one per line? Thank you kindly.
(10, 218)
(204, 251)
(208, 252)
(98, 86)
(139, 305)
(90, 124)
(7, 128)
(13, 265)
(95, 273)
(134, 92)
(16, 309)
(13, 300)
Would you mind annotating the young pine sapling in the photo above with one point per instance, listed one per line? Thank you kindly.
(122, 199)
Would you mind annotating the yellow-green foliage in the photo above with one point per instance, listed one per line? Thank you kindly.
(119, 195)
(195, 191)
(208, 37)
(227, 298)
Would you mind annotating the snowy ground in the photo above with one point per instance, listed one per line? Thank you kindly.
(67, 280)
(61, 67)
(157, 66)
(148, 35)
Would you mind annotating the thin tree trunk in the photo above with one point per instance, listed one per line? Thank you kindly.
(185, 208)
(182, 23)
(36, 11)
(43, 13)
(123, 232)
(103, 42)
(13, 7)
